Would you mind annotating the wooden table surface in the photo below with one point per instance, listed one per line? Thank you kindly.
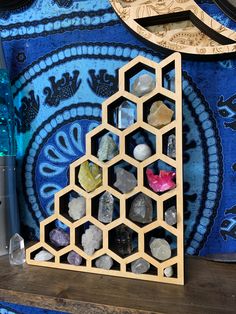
(210, 288)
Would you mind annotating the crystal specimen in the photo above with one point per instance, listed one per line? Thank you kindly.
(104, 262)
(17, 250)
(107, 148)
(171, 151)
(171, 216)
(141, 209)
(59, 238)
(168, 271)
(143, 85)
(123, 240)
(77, 208)
(162, 182)
(74, 258)
(142, 152)
(43, 255)
(106, 207)
(160, 115)
(90, 176)
(92, 239)
(126, 115)
(160, 249)
(125, 180)
(140, 266)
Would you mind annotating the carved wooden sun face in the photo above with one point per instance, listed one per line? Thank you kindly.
(179, 25)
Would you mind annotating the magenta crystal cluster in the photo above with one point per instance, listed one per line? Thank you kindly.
(162, 182)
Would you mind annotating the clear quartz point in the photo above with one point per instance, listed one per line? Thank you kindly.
(17, 250)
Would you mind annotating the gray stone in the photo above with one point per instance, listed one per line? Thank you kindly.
(104, 262)
(171, 216)
(141, 209)
(140, 266)
(107, 148)
(171, 146)
(143, 85)
(106, 207)
(74, 258)
(125, 180)
(160, 249)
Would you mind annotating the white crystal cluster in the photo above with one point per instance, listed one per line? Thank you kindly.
(92, 239)
(43, 255)
(77, 208)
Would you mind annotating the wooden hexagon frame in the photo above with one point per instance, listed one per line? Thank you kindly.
(177, 259)
(138, 14)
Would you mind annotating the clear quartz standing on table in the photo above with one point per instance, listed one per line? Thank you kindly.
(126, 115)
(17, 250)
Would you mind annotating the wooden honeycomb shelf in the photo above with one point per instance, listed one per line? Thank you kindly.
(121, 267)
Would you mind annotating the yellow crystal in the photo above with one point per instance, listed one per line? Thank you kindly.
(160, 115)
(90, 176)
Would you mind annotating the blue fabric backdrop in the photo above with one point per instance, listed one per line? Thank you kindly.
(63, 57)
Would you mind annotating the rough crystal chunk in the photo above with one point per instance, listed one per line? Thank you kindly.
(74, 258)
(90, 176)
(140, 266)
(123, 240)
(162, 182)
(104, 262)
(59, 238)
(107, 148)
(106, 207)
(43, 255)
(168, 271)
(92, 239)
(171, 216)
(125, 180)
(160, 249)
(17, 250)
(160, 115)
(171, 147)
(143, 85)
(141, 209)
(126, 115)
(77, 208)
(142, 152)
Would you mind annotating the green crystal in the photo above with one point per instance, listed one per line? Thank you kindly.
(90, 176)
(107, 148)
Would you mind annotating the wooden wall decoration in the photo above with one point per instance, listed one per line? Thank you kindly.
(161, 201)
(179, 25)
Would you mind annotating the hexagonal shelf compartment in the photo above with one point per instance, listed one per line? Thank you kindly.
(117, 215)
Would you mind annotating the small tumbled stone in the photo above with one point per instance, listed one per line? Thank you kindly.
(43, 255)
(142, 152)
(90, 176)
(91, 239)
(126, 115)
(143, 85)
(59, 238)
(106, 207)
(74, 258)
(168, 271)
(171, 216)
(171, 147)
(141, 209)
(125, 180)
(107, 148)
(104, 262)
(140, 266)
(160, 115)
(77, 208)
(160, 249)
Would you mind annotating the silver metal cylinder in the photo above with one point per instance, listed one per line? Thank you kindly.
(9, 217)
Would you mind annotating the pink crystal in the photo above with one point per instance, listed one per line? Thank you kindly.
(162, 182)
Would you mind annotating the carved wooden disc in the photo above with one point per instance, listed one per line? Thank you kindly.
(179, 25)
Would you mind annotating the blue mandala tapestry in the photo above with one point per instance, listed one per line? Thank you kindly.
(63, 57)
